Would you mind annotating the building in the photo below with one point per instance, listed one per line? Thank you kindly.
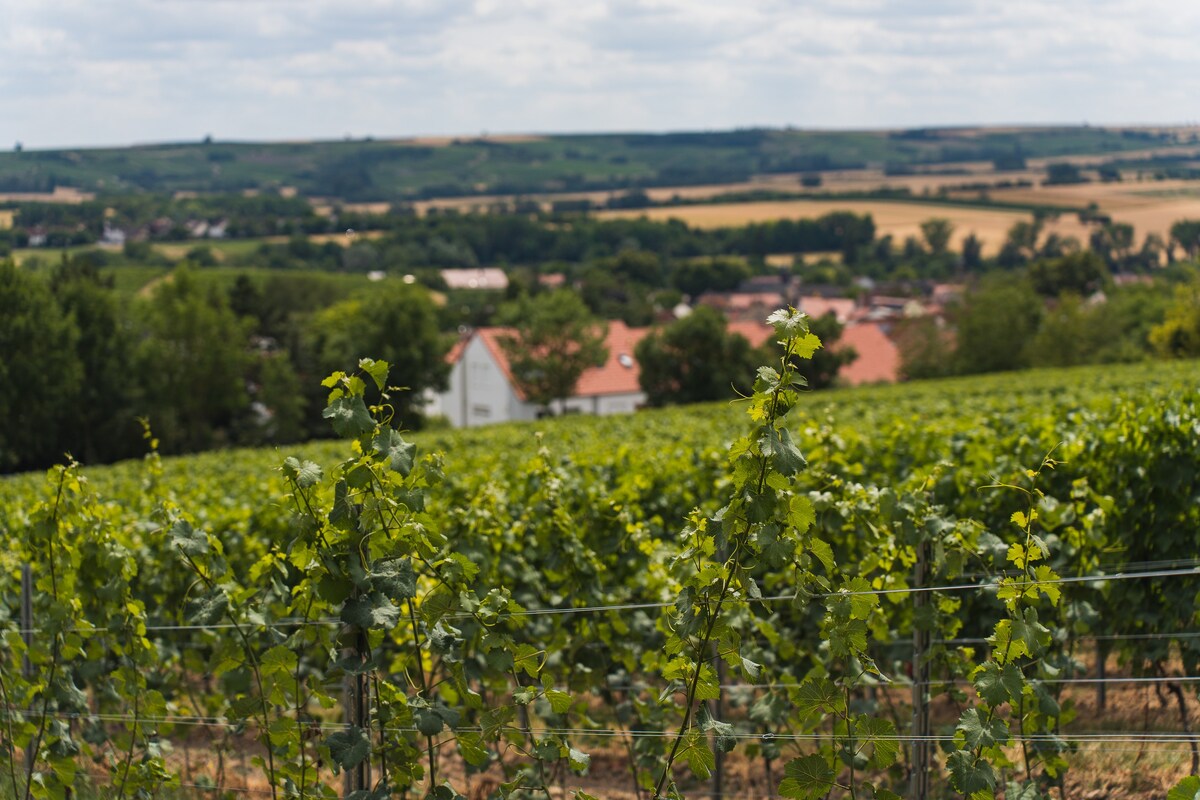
(482, 390)
(487, 278)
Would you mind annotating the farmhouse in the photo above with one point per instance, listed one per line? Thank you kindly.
(479, 278)
(482, 390)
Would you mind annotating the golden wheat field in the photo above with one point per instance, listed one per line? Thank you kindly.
(898, 218)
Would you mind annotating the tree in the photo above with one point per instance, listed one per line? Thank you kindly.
(396, 323)
(695, 359)
(995, 326)
(1179, 334)
(191, 363)
(554, 340)
(937, 233)
(40, 374)
(1079, 273)
(106, 427)
(1186, 233)
(925, 348)
(972, 252)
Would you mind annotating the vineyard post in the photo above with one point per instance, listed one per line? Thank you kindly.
(27, 635)
(718, 777)
(354, 700)
(919, 787)
(1102, 674)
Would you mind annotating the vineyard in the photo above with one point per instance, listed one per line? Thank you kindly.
(899, 591)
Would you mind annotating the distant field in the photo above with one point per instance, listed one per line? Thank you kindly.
(368, 171)
(1150, 206)
(899, 219)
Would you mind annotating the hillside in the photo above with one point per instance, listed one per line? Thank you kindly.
(412, 169)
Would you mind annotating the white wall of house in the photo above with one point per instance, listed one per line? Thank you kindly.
(601, 404)
(479, 393)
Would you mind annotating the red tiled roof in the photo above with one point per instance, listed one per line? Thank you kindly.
(618, 375)
(842, 307)
(878, 357)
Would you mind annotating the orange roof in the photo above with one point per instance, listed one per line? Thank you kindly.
(816, 306)
(618, 375)
(878, 357)
(757, 333)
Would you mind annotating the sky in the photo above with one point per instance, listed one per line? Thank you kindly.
(114, 72)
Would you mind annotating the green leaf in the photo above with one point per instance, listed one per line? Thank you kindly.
(980, 734)
(349, 748)
(527, 658)
(428, 722)
(862, 599)
(278, 659)
(824, 554)
(580, 794)
(395, 579)
(1187, 789)
(578, 759)
(209, 609)
(473, 751)
(968, 775)
(806, 778)
(378, 370)
(881, 735)
(190, 541)
(997, 684)
(785, 456)
(560, 702)
(399, 453)
(304, 473)
(349, 417)
(370, 611)
(819, 695)
(699, 757)
(801, 516)
(806, 346)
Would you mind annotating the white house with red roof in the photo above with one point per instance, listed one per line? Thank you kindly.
(482, 390)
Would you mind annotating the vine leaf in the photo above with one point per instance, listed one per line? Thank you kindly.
(304, 473)
(997, 684)
(700, 759)
(1186, 789)
(399, 453)
(349, 417)
(979, 733)
(806, 778)
(970, 775)
(881, 735)
(349, 748)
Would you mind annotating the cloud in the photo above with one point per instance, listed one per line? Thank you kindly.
(97, 71)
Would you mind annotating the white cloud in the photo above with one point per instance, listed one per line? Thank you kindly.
(99, 71)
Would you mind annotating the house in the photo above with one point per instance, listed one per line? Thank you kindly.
(491, 278)
(482, 390)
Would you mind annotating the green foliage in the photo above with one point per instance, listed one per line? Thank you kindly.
(192, 357)
(40, 375)
(1179, 334)
(995, 325)
(399, 324)
(435, 566)
(554, 340)
(694, 359)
